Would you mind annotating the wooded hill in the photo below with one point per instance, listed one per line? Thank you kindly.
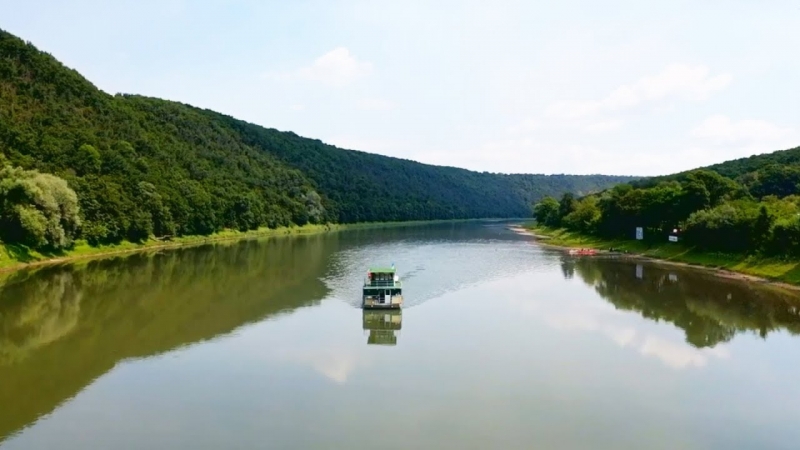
(750, 205)
(143, 166)
(742, 168)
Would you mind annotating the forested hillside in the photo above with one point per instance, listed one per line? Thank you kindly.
(141, 167)
(369, 187)
(736, 168)
(749, 206)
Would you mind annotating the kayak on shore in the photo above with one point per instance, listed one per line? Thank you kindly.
(583, 251)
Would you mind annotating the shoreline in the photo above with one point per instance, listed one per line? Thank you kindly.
(126, 247)
(717, 271)
(83, 251)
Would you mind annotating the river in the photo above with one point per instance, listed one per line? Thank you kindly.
(502, 343)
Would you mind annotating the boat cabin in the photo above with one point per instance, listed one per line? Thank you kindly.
(382, 289)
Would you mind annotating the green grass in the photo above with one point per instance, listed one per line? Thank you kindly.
(14, 256)
(776, 269)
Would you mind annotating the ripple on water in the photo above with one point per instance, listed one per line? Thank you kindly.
(457, 265)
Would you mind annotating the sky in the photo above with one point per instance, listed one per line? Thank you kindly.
(575, 86)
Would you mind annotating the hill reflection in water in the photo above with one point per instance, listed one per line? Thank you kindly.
(62, 327)
(709, 309)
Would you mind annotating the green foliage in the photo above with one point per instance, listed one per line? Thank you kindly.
(38, 210)
(785, 237)
(86, 160)
(567, 204)
(774, 179)
(584, 217)
(728, 227)
(776, 173)
(546, 212)
(712, 212)
(142, 166)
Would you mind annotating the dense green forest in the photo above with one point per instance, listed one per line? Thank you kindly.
(755, 212)
(137, 167)
(741, 168)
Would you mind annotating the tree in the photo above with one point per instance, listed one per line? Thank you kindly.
(719, 188)
(37, 209)
(728, 227)
(566, 205)
(546, 212)
(87, 160)
(762, 226)
(776, 180)
(585, 217)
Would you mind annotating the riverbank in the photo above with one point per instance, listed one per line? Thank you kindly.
(750, 267)
(16, 257)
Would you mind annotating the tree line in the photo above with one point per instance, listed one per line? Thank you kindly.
(141, 167)
(756, 213)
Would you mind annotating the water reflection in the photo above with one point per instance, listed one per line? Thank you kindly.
(383, 326)
(62, 327)
(540, 361)
(492, 252)
(709, 309)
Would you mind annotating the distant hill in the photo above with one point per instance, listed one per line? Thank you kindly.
(147, 166)
(748, 206)
(738, 169)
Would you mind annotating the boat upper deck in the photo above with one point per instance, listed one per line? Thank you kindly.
(382, 278)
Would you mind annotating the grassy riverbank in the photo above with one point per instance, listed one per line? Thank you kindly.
(775, 269)
(14, 257)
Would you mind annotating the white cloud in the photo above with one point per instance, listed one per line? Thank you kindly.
(675, 355)
(720, 138)
(336, 68)
(690, 83)
(527, 125)
(375, 104)
(622, 329)
(721, 129)
(679, 356)
(677, 80)
(335, 362)
(604, 125)
(622, 336)
(572, 109)
(297, 107)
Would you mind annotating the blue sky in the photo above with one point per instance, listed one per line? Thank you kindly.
(626, 87)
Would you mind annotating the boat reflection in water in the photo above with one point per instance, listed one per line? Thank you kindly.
(383, 325)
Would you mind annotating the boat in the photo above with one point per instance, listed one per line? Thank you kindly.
(583, 251)
(382, 289)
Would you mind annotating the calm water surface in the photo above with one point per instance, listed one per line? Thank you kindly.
(502, 344)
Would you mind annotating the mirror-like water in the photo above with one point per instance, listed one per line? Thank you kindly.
(502, 344)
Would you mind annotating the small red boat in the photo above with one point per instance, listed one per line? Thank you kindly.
(583, 251)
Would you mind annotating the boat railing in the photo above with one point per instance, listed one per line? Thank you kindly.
(387, 283)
